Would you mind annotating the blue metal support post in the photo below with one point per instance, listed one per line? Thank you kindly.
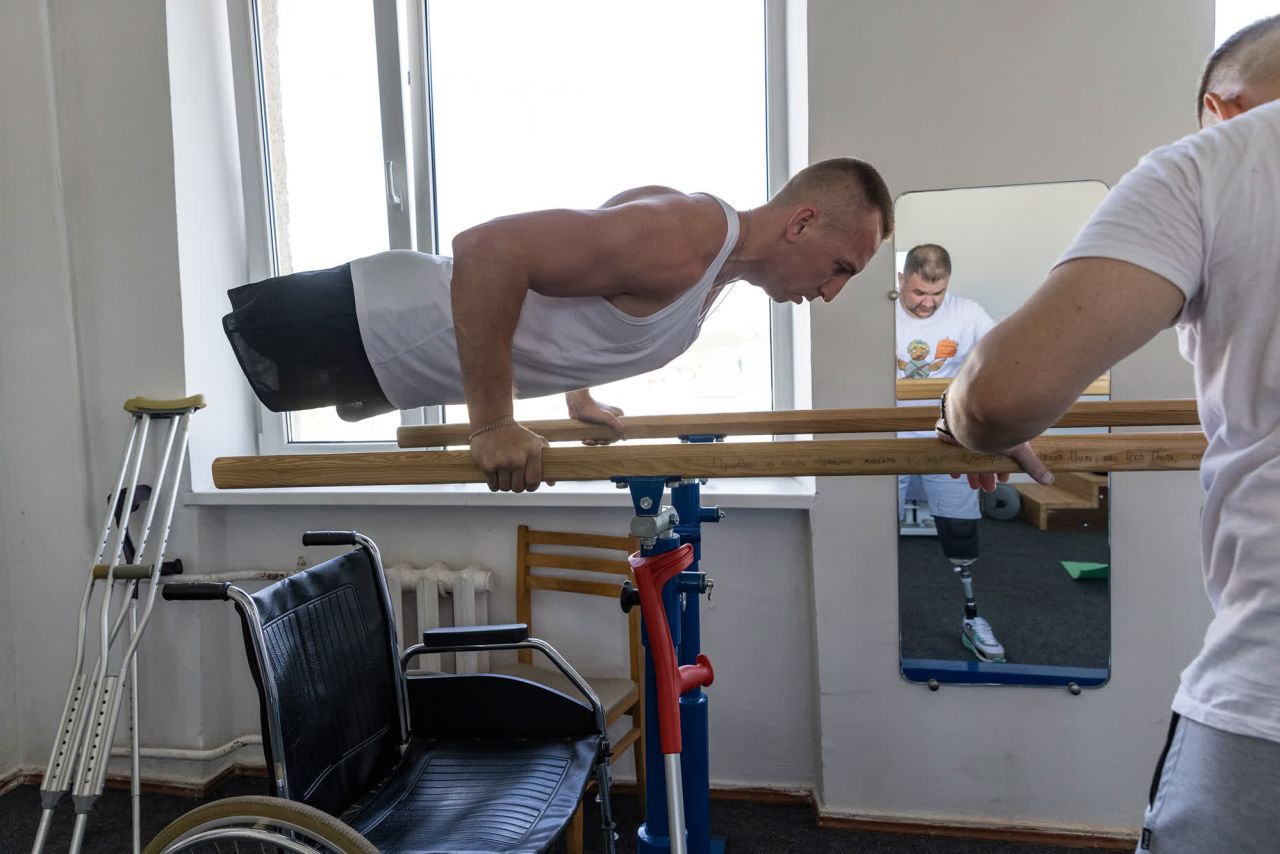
(695, 760)
(681, 599)
(656, 536)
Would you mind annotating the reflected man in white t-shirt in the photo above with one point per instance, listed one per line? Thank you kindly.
(935, 331)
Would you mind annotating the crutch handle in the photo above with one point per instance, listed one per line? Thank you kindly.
(652, 573)
(178, 590)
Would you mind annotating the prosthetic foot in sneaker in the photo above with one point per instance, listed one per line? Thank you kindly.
(980, 640)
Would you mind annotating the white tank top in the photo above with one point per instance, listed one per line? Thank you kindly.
(560, 343)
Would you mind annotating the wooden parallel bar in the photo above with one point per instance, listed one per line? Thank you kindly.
(1116, 413)
(928, 389)
(1089, 452)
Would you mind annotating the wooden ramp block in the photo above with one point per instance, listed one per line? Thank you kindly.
(1061, 506)
(1088, 485)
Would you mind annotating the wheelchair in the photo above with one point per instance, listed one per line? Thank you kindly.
(364, 759)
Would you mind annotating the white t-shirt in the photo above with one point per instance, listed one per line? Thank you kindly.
(936, 347)
(1204, 213)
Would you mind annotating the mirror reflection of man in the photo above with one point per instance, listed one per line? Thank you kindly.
(935, 333)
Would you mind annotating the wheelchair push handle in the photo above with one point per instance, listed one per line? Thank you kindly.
(195, 590)
(329, 538)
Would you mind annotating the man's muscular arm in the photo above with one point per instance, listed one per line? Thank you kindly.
(638, 252)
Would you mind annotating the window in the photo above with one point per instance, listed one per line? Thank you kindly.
(387, 127)
(1231, 16)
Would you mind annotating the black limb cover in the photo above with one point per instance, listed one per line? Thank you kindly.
(959, 537)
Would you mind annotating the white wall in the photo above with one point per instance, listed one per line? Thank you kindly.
(93, 313)
(1002, 240)
(8, 692)
(9, 744)
(212, 255)
(981, 94)
(42, 461)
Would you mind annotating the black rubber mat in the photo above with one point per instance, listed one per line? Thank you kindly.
(749, 828)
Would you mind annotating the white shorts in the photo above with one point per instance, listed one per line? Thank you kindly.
(949, 497)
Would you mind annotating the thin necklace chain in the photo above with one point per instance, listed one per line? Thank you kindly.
(721, 291)
(746, 231)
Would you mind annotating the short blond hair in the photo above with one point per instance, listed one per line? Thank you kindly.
(848, 185)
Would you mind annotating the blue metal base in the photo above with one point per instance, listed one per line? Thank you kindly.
(1001, 673)
(662, 844)
(646, 844)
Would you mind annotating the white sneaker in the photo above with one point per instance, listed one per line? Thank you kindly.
(980, 640)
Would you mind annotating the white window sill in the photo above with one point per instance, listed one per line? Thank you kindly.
(768, 493)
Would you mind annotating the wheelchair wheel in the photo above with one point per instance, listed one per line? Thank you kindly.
(258, 823)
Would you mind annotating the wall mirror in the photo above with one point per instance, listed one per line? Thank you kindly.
(1010, 587)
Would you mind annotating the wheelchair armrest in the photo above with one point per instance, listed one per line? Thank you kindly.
(455, 637)
(509, 636)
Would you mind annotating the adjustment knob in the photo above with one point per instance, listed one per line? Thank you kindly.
(629, 597)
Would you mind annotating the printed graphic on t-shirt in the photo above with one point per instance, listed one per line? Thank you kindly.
(919, 365)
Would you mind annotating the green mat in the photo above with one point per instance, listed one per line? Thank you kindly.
(1081, 569)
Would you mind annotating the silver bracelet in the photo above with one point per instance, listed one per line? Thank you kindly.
(507, 421)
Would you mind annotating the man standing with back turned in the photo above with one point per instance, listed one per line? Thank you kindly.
(1189, 238)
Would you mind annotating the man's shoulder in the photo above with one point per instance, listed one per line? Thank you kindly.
(963, 305)
(1227, 142)
(647, 193)
(663, 217)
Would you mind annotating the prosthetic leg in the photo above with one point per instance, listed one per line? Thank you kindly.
(82, 745)
(959, 539)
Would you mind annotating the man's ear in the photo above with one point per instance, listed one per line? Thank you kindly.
(1219, 109)
(902, 281)
(801, 218)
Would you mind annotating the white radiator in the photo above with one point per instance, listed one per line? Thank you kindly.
(465, 596)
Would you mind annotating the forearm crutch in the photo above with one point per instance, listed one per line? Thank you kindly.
(82, 746)
(652, 574)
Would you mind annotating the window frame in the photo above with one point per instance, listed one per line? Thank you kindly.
(403, 50)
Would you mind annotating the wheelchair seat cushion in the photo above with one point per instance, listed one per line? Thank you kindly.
(479, 796)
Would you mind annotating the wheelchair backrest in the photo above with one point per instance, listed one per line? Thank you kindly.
(329, 661)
